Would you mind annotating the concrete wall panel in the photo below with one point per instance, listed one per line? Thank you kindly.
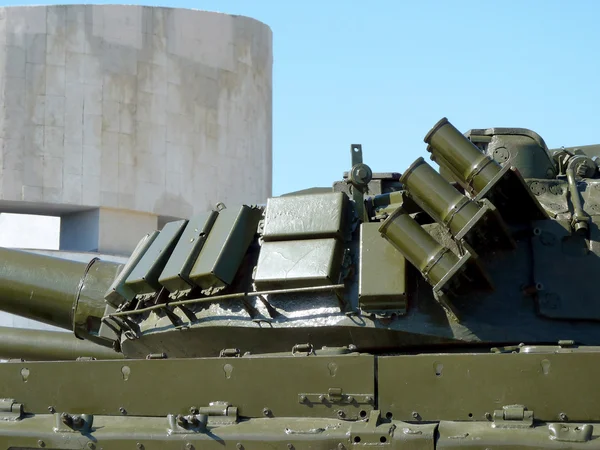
(154, 110)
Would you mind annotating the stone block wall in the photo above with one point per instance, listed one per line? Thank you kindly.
(158, 111)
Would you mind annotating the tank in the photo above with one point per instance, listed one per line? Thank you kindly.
(441, 307)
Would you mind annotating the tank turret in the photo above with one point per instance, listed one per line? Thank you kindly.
(339, 267)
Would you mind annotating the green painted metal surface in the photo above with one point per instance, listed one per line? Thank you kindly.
(394, 311)
(292, 264)
(144, 278)
(384, 290)
(176, 274)
(305, 217)
(225, 247)
(34, 345)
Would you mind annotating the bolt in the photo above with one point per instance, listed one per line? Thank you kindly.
(51, 409)
(91, 445)
(350, 399)
(122, 410)
(267, 412)
(341, 414)
(189, 446)
(41, 443)
(66, 418)
(290, 446)
(239, 446)
(415, 415)
(78, 421)
(193, 410)
(181, 421)
(341, 446)
(139, 446)
(303, 399)
(369, 399)
(488, 416)
(562, 416)
(322, 397)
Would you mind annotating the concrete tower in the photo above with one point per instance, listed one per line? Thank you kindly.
(117, 118)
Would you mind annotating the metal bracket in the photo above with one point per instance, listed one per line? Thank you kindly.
(73, 423)
(372, 432)
(570, 432)
(513, 416)
(360, 175)
(10, 410)
(230, 353)
(193, 423)
(337, 397)
(199, 419)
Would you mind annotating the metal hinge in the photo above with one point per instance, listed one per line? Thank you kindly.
(10, 410)
(513, 416)
(336, 396)
(230, 353)
(217, 413)
(303, 349)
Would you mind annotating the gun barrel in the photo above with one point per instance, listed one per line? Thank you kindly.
(56, 291)
(43, 345)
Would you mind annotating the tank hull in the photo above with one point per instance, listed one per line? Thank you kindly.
(307, 401)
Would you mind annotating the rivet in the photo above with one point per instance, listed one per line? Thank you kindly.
(41, 443)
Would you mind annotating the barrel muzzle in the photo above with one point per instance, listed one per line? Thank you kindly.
(417, 246)
(59, 292)
(448, 274)
(473, 169)
(481, 176)
(478, 223)
(437, 197)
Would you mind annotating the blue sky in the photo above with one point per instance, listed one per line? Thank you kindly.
(381, 73)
